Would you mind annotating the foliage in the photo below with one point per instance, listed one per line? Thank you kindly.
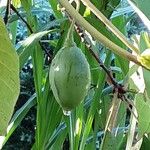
(114, 114)
(9, 78)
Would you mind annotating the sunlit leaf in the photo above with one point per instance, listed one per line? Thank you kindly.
(9, 78)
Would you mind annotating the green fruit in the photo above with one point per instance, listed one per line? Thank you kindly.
(144, 58)
(69, 77)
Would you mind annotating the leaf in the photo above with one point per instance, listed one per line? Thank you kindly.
(121, 11)
(143, 110)
(110, 142)
(146, 74)
(120, 23)
(27, 4)
(9, 78)
(19, 116)
(144, 41)
(144, 58)
(142, 9)
(26, 48)
(145, 143)
(54, 5)
(143, 6)
(16, 3)
(58, 137)
(94, 104)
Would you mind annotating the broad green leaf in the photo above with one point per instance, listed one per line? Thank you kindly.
(143, 110)
(9, 78)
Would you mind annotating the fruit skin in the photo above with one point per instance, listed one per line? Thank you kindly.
(69, 77)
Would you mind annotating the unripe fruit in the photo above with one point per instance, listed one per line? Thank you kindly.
(69, 77)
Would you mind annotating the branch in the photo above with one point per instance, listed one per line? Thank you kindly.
(7, 13)
(89, 45)
(17, 13)
(96, 34)
(109, 25)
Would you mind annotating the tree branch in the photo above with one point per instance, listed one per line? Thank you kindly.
(89, 45)
(7, 13)
(96, 34)
(30, 29)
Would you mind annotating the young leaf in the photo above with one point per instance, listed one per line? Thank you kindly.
(9, 78)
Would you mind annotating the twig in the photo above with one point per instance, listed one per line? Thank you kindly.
(17, 13)
(89, 45)
(129, 103)
(30, 29)
(7, 13)
(117, 87)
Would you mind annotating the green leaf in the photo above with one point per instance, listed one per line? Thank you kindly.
(54, 5)
(94, 104)
(146, 74)
(109, 142)
(26, 48)
(143, 6)
(19, 116)
(144, 41)
(9, 78)
(120, 23)
(16, 3)
(13, 30)
(145, 143)
(58, 137)
(143, 110)
(27, 4)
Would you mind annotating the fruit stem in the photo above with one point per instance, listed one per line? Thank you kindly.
(69, 42)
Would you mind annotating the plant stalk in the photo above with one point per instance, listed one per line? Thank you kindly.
(96, 34)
